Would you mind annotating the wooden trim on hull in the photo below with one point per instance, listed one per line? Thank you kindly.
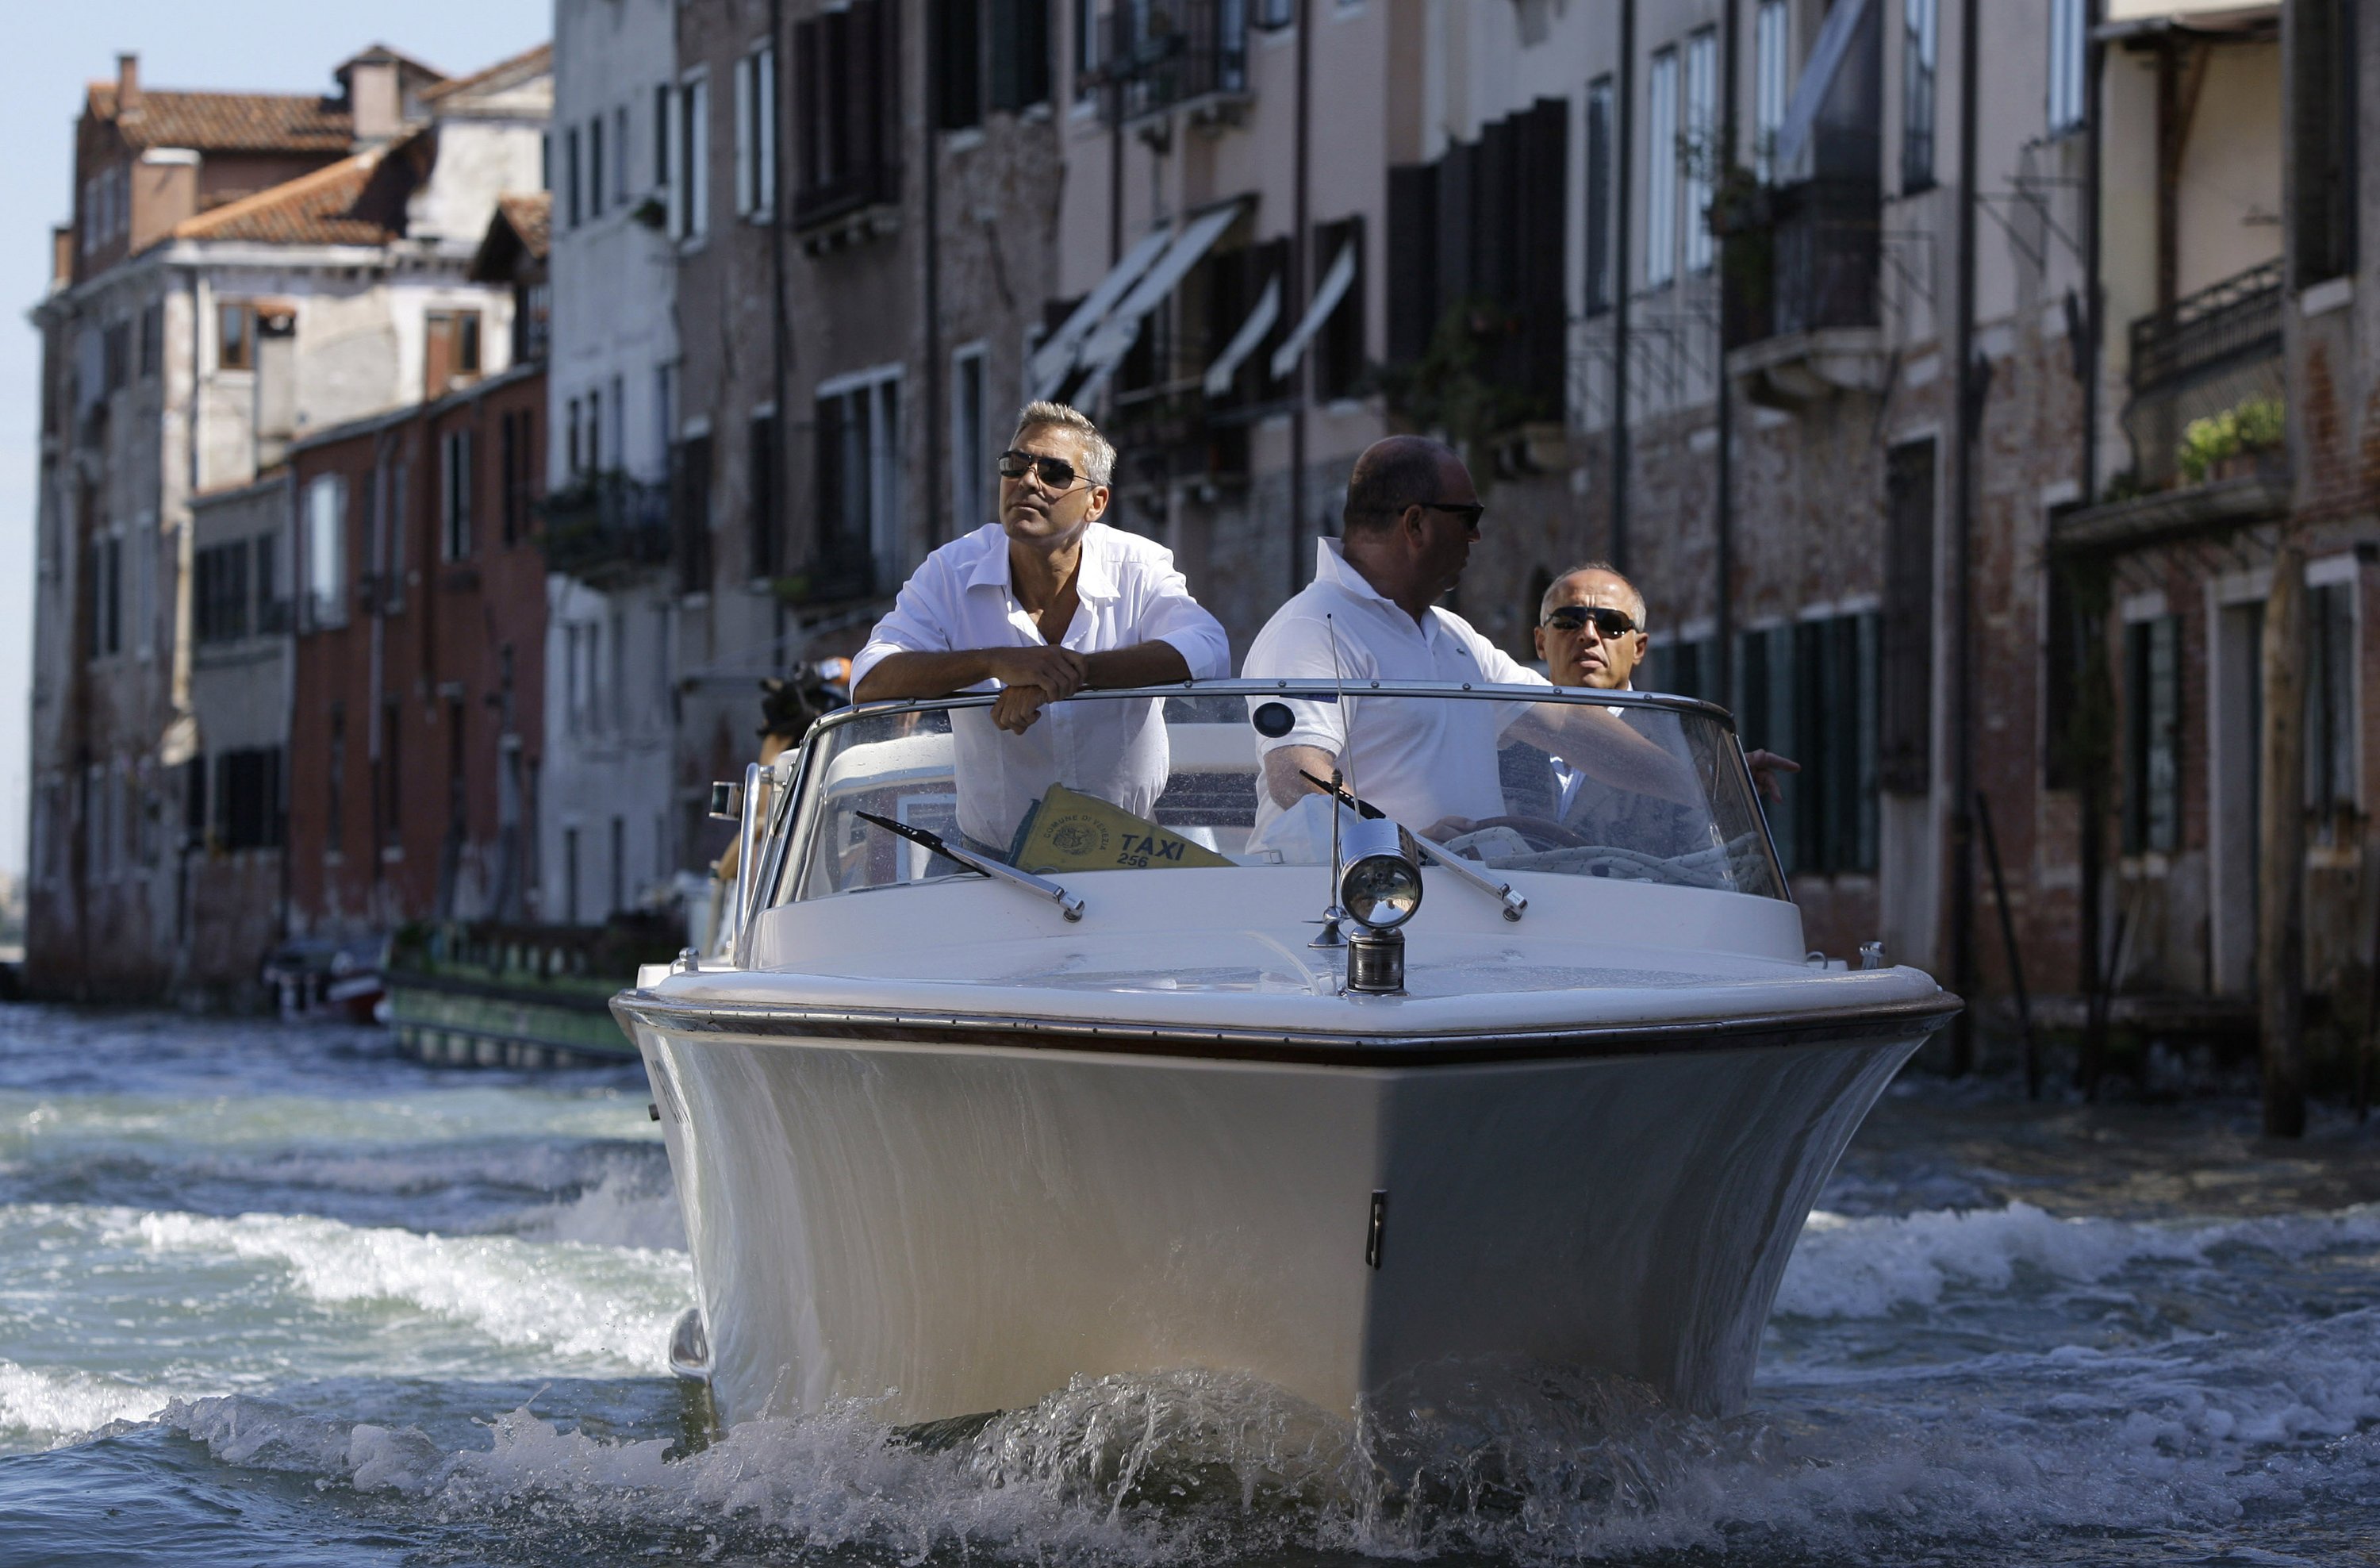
(1893, 1021)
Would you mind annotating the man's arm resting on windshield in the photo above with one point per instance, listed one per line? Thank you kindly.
(1144, 663)
(1597, 744)
(1059, 670)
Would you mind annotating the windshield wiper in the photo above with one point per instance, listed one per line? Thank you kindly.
(1463, 870)
(982, 865)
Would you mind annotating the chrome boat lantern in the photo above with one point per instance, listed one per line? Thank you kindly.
(1379, 889)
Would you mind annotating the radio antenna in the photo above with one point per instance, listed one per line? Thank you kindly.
(1330, 936)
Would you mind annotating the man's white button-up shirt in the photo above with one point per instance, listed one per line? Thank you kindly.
(961, 597)
(1417, 759)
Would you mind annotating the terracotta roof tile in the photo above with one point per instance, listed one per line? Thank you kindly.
(531, 217)
(343, 204)
(529, 62)
(230, 122)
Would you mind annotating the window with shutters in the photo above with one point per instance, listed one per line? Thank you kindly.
(760, 472)
(2152, 818)
(1490, 235)
(595, 190)
(1661, 169)
(620, 157)
(236, 337)
(690, 512)
(1772, 81)
(1016, 38)
(219, 592)
(1684, 666)
(857, 462)
(450, 351)
(454, 473)
(326, 550)
(1085, 23)
(2323, 49)
(971, 460)
(1698, 149)
(1339, 362)
(573, 186)
(1920, 21)
(1239, 331)
(955, 51)
(1908, 674)
(2330, 770)
(846, 111)
(1809, 690)
(2069, 23)
(691, 138)
(755, 134)
(248, 813)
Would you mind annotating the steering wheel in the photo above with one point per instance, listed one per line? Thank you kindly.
(1542, 833)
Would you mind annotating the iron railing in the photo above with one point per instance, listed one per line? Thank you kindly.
(1806, 260)
(1157, 54)
(2211, 352)
(2239, 318)
(607, 527)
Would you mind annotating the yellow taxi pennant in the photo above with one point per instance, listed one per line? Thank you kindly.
(1067, 832)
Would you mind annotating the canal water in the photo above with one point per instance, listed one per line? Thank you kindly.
(274, 1296)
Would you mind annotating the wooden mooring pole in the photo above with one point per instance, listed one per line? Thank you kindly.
(2007, 940)
(2280, 845)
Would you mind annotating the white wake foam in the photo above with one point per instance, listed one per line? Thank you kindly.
(597, 1308)
(1547, 1468)
(1870, 1267)
(51, 1407)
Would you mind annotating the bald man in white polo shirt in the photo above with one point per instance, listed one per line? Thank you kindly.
(1039, 605)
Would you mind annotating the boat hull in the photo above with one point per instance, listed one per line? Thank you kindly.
(958, 1224)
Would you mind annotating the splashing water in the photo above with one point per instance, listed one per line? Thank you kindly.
(384, 1313)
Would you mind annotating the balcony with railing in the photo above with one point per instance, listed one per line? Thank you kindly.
(1160, 54)
(2212, 353)
(1803, 313)
(607, 528)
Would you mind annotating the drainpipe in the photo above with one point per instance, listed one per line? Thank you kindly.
(1962, 528)
(933, 306)
(1623, 200)
(2093, 780)
(779, 352)
(1723, 551)
(1298, 271)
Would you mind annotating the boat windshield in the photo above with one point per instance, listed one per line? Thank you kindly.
(1513, 779)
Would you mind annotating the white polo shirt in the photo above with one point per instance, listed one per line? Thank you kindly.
(1417, 759)
(961, 597)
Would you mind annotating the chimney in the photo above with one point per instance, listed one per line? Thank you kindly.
(127, 84)
(375, 100)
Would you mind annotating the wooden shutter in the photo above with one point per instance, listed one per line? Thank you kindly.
(1907, 656)
(1541, 233)
(1413, 287)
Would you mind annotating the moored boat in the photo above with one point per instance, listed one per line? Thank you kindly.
(1172, 1076)
(499, 995)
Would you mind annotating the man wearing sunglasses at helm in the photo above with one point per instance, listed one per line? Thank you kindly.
(1039, 605)
(1591, 632)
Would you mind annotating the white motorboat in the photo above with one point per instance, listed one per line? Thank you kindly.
(1169, 1087)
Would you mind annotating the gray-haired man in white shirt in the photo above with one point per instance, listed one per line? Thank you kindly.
(1040, 604)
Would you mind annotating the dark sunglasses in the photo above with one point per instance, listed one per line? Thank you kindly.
(1609, 623)
(1056, 472)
